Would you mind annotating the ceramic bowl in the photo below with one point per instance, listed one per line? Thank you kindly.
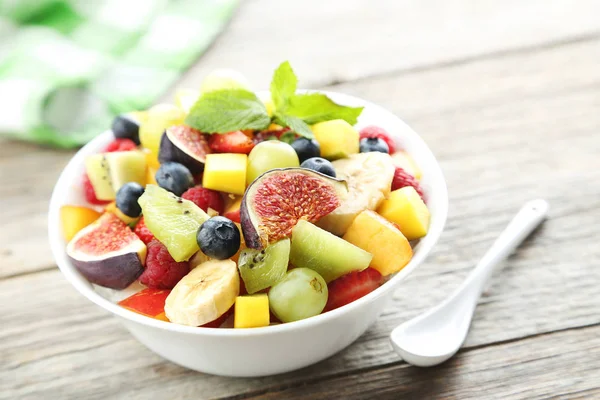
(273, 349)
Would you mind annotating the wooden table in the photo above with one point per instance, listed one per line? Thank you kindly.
(506, 93)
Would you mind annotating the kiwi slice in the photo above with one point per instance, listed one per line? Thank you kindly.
(96, 167)
(261, 269)
(321, 251)
(126, 166)
(172, 220)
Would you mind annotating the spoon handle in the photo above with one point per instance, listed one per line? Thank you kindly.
(526, 220)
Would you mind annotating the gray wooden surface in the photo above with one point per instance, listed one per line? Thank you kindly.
(507, 95)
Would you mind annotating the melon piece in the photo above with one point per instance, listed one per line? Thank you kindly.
(279, 198)
(75, 218)
(251, 311)
(108, 253)
(225, 172)
(337, 138)
(403, 160)
(172, 220)
(405, 208)
(325, 253)
(158, 118)
(390, 249)
(184, 145)
(369, 177)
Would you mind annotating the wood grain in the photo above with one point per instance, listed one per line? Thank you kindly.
(560, 365)
(505, 129)
(330, 42)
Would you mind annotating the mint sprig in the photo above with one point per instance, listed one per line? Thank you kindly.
(283, 85)
(235, 109)
(298, 111)
(228, 110)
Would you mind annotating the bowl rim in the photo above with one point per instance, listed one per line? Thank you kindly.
(86, 289)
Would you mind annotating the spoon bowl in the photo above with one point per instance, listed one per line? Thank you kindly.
(433, 337)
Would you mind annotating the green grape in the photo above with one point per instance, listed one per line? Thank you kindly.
(261, 269)
(269, 155)
(302, 293)
(221, 79)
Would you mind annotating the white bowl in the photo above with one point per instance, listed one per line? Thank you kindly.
(274, 349)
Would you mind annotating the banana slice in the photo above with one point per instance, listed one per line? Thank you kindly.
(369, 177)
(204, 294)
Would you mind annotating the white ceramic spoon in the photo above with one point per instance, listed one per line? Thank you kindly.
(433, 337)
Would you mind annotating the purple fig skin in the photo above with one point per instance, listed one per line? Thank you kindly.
(116, 272)
(168, 151)
(251, 234)
(251, 237)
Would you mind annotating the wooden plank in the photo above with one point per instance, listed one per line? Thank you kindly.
(500, 148)
(333, 42)
(558, 365)
(27, 176)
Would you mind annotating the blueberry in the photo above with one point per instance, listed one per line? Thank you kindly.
(320, 165)
(373, 144)
(306, 148)
(124, 126)
(218, 237)
(174, 177)
(127, 199)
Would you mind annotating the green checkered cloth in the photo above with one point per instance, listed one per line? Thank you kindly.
(67, 67)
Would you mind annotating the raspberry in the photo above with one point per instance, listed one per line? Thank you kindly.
(403, 179)
(121, 144)
(143, 232)
(373, 131)
(205, 198)
(162, 272)
(90, 194)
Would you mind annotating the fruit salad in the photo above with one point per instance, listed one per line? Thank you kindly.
(231, 211)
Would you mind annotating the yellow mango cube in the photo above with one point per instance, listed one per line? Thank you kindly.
(337, 138)
(75, 218)
(376, 235)
(403, 160)
(112, 207)
(225, 172)
(251, 311)
(405, 208)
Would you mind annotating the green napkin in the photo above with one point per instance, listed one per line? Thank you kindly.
(67, 67)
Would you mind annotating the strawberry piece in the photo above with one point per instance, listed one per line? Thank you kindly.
(142, 231)
(90, 194)
(233, 215)
(352, 286)
(270, 135)
(162, 272)
(219, 321)
(205, 198)
(232, 142)
(402, 179)
(373, 131)
(148, 302)
(121, 144)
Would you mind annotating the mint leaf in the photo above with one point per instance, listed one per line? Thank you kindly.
(317, 107)
(295, 124)
(283, 85)
(288, 137)
(228, 110)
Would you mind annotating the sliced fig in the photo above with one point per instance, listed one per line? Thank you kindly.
(185, 145)
(108, 253)
(277, 199)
